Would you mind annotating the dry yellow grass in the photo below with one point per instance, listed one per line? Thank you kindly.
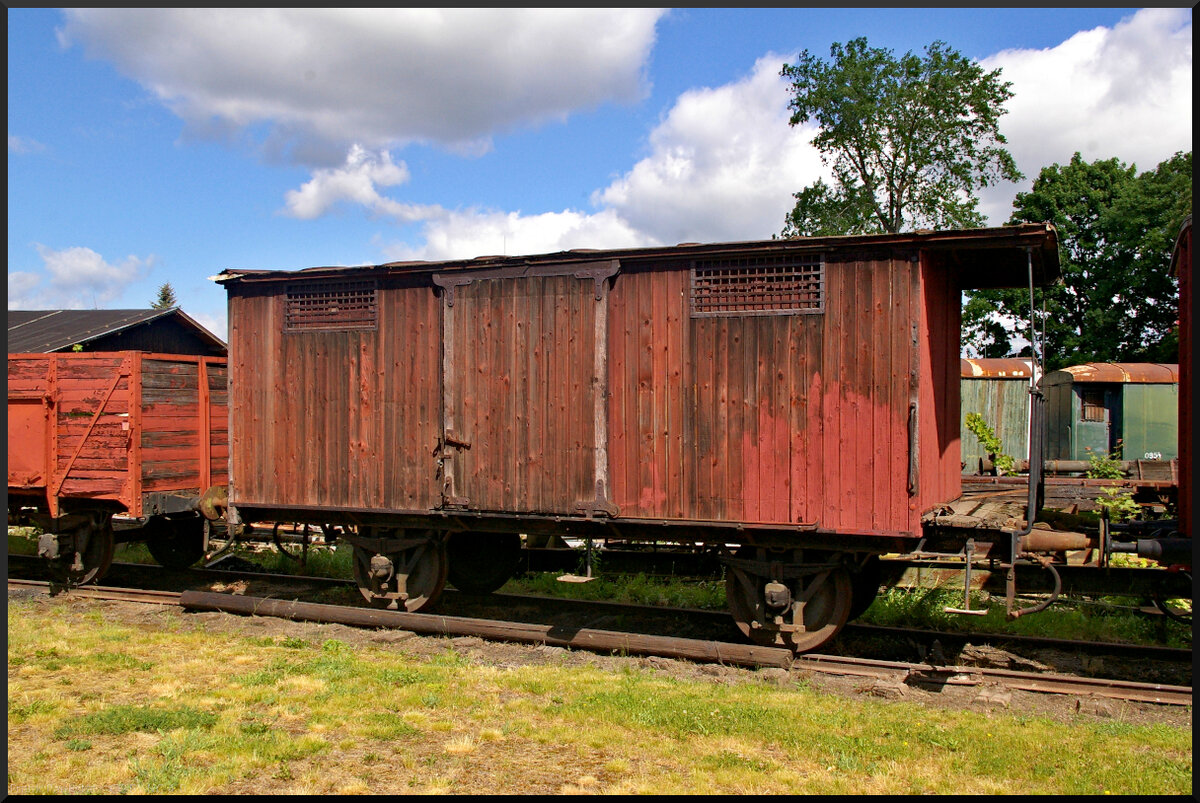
(101, 700)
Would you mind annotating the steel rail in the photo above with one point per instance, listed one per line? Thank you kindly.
(613, 641)
(555, 635)
(104, 592)
(1016, 640)
(930, 674)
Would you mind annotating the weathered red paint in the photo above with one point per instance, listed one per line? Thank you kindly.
(583, 383)
(110, 427)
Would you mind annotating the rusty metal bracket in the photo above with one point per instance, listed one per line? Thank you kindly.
(969, 555)
(599, 272)
(600, 505)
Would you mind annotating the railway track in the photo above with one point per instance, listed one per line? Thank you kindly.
(706, 624)
(703, 624)
(925, 674)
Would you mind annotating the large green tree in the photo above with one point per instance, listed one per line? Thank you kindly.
(1116, 301)
(909, 140)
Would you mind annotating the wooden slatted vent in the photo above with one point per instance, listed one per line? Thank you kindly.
(330, 305)
(784, 284)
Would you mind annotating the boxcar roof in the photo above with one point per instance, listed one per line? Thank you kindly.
(992, 257)
(1122, 372)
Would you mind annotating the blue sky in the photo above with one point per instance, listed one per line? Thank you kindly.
(166, 145)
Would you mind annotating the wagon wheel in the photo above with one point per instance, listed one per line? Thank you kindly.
(480, 563)
(93, 542)
(405, 580)
(765, 608)
(176, 543)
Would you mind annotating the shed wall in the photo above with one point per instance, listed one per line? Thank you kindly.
(1004, 405)
(1150, 422)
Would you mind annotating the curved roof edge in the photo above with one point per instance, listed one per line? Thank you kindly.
(996, 368)
(1122, 372)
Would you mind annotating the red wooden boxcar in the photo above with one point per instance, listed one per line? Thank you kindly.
(799, 398)
(91, 435)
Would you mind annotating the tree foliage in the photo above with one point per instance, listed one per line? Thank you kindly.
(166, 298)
(1117, 301)
(909, 140)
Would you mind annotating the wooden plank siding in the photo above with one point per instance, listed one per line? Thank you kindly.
(941, 392)
(523, 353)
(779, 419)
(337, 418)
(113, 426)
(774, 419)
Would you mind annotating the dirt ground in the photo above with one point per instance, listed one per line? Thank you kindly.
(984, 698)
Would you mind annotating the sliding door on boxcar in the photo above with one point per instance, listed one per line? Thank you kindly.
(522, 379)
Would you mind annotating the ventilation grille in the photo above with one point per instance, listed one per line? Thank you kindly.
(764, 285)
(317, 306)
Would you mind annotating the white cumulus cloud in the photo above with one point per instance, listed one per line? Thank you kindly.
(723, 164)
(78, 278)
(355, 182)
(321, 78)
(1123, 92)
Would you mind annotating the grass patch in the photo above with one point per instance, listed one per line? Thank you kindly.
(1112, 619)
(639, 589)
(195, 710)
(120, 719)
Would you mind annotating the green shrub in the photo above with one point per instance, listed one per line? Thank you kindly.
(1105, 467)
(1119, 504)
(1004, 463)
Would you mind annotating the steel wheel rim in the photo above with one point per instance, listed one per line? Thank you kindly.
(824, 614)
(425, 582)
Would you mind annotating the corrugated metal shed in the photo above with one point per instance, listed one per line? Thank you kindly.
(1093, 408)
(164, 331)
(1000, 367)
(997, 389)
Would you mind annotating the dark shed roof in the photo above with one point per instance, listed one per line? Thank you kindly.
(169, 331)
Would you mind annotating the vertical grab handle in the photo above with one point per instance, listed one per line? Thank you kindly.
(913, 443)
